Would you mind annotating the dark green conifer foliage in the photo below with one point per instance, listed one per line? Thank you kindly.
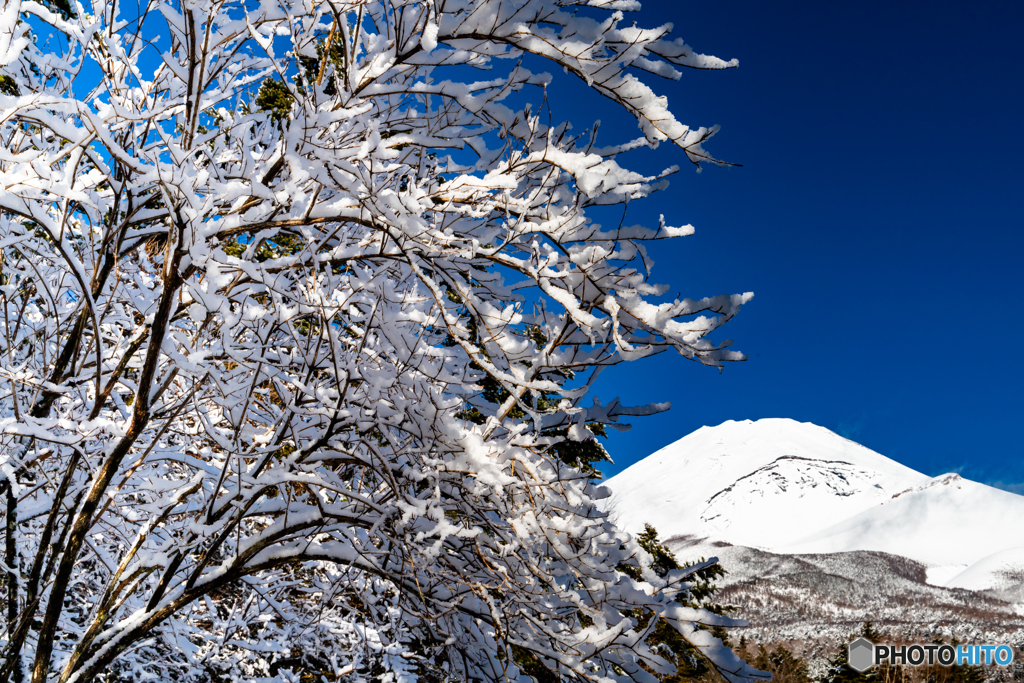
(690, 664)
(276, 98)
(63, 7)
(784, 666)
(839, 670)
(869, 632)
(8, 86)
(742, 649)
(964, 673)
(582, 455)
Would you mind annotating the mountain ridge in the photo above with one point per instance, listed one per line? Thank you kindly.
(787, 487)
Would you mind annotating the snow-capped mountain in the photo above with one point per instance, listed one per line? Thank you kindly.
(818, 534)
(949, 522)
(787, 487)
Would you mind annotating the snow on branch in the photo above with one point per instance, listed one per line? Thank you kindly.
(301, 302)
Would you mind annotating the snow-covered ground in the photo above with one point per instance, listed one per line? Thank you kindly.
(949, 521)
(796, 488)
(1000, 574)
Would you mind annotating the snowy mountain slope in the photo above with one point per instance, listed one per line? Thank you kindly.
(796, 488)
(819, 534)
(949, 521)
(1000, 571)
(812, 601)
(760, 484)
(800, 596)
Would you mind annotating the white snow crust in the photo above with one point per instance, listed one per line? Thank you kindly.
(1000, 570)
(949, 521)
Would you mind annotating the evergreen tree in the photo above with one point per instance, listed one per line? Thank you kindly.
(787, 667)
(742, 648)
(784, 666)
(869, 632)
(839, 669)
(690, 663)
(958, 673)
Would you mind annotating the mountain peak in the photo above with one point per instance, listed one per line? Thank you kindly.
(752, 482)
(786, 486)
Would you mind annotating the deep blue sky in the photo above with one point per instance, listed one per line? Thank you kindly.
(877, 217)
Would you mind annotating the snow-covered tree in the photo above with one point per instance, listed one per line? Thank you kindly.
(301, 303)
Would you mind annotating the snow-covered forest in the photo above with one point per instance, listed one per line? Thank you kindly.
(301, 304)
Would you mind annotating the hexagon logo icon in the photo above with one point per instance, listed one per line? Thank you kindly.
(861, 654)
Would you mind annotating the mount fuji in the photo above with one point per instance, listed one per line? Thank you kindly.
(788, 488)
